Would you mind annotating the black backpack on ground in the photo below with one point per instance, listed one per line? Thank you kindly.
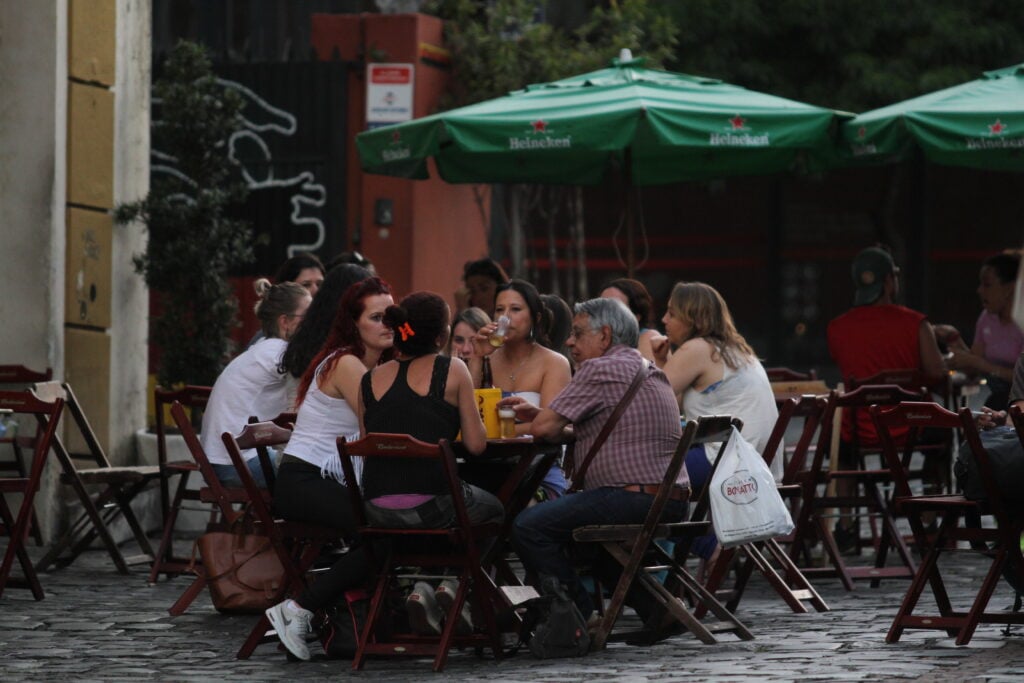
(553, 626)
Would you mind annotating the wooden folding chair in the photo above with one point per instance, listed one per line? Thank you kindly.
(787, 375)
(1000, 544)
(47, 416)
(455, 548)
(195, 399)
(791, 585)
(18, 378)
(913, 380)
(223, 498)
(116, 488)
(819, 501)
(633, 547)
(296, 544)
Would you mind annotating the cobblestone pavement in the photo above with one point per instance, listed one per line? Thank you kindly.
(96, 625)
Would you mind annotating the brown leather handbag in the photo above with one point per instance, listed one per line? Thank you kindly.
(241, 569)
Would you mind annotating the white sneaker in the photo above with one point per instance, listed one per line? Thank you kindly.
(424, 614)
(292, 624)
(445, 594)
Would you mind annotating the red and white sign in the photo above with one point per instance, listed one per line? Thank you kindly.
(389, 89)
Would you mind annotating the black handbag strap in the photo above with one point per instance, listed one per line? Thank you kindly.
(581, 471)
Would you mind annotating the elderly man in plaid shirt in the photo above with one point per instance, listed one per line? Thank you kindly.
(628, 468)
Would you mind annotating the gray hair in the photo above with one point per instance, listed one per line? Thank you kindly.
(614, 314)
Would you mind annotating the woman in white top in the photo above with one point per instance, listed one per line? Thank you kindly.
(310, 485)
(715, 372)
(252, 383)
(522, 365)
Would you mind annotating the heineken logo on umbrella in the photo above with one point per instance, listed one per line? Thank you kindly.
(532, 140)
(995, 139)
(736, 135)
(398, 151)
(861, 148)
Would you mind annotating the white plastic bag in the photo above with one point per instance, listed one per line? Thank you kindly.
(745, 503)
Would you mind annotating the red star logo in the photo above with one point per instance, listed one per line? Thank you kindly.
(396, 137)
(737, 122)
(540, 126)
(997, 128)
(862, 131)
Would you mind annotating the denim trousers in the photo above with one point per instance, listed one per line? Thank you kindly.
(542, 536)
(228, 475)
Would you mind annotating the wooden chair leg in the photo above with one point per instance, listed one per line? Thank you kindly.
(988, 586)
(164, 557)
(16, 548)
(190, 594)
(33, 523)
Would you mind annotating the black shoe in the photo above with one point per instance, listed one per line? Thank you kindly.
(846, 540)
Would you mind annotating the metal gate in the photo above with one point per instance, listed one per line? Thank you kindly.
(292, 152)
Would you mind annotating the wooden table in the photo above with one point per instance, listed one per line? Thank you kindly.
(512, 469)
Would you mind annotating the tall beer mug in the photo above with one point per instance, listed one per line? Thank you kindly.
(487, 403)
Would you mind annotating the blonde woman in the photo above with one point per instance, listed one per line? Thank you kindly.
(714, 372)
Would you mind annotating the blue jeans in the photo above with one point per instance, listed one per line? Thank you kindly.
(229, 476)
(698, 468)
(542, 535)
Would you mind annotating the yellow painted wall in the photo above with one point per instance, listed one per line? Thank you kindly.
(92, 44)
(87, 284)
(92, 33)
(90, 146)
(87, 370)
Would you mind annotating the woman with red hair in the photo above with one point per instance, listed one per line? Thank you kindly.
(310, 484)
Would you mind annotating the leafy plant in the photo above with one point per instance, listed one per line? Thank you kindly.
(501, 46)
(193, 240)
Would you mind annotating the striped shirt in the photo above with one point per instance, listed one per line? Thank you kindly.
(640, 445)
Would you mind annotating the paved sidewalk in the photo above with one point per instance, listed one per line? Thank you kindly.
(96, 625)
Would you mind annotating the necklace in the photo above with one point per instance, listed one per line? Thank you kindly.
(512, 375)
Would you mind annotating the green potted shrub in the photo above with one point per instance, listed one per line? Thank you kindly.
(193, 239)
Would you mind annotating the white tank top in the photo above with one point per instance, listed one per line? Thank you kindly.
(320, 421)
(744, 393)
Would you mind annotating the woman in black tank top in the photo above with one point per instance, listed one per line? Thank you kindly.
(429, 397)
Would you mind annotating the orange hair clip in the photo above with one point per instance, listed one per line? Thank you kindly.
(406, 331)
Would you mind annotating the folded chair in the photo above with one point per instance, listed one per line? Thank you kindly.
(296, 544)
(18, 378)
(633, 547)
(47, 416)
(115, 489)
(820, 502)
(787, 580)
(222, 498)
(454, 548)
(195, 399)
(1001, 545)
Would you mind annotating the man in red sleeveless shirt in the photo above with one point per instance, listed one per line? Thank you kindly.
(876, 335)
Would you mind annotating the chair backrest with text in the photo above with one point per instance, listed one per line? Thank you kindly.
(193, 397)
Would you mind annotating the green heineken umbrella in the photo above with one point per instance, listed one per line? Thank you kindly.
(978, 124)
(659, 127)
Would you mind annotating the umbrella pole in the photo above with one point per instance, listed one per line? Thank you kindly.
(630, 214)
